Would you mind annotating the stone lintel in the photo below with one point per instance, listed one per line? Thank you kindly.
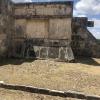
(44, 3)
(83, 21)
(40, 16)
(48, 42)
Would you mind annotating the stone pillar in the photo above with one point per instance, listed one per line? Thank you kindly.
(6, 26)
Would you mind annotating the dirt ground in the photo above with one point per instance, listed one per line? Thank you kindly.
(82, 76)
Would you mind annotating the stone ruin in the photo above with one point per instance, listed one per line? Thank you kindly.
(45, 30)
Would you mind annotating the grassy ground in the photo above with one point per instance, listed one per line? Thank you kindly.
(83, 76)
(19, 95)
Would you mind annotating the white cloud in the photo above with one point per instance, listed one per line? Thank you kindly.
(88, 7)
(96, 29)
(96, 22)
(21, 1)
(76, 14)
(85, 8)
(95, 32)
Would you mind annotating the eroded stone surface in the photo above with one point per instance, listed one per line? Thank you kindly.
(44, 30)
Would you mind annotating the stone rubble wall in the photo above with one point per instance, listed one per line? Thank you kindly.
(39, 25)
(46, 26)
(83, 42)
(6, 22)
(44, 8)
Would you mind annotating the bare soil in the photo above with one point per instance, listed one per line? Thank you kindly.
(82, 76)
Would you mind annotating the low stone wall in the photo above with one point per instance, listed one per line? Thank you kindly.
(58, 50)
(45, 48)
(64, 94)
(59, 53)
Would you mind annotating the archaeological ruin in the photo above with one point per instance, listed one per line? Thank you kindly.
(45, 30)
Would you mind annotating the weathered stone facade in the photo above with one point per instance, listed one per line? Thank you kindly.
(83, 42)
(40, 24)
(6, 26)
(45, 30)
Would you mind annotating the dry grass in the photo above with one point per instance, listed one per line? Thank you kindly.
(19, 95)
(83, 76)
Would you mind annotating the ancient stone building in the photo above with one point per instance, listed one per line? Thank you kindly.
(45, 30)
(6, 26)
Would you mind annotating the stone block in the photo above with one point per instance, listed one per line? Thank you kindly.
(43, 52)
(53, 52)
(69, 54)
(62, 52)
(37, 51)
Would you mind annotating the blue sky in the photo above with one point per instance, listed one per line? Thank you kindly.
(83, 8)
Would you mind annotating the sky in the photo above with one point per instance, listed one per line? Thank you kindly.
(83, 8)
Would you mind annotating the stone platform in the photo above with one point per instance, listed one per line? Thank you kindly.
(44, 49)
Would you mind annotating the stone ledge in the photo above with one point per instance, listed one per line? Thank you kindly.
(48, 42)
(71, 94)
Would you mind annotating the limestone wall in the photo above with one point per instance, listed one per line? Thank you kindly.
(45, 26)
(6, 22)
(37, 28)
(83, 42)
(44, 20)
(47, 9)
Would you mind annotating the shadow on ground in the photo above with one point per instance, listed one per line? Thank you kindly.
(16, 61)
(88, 61)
